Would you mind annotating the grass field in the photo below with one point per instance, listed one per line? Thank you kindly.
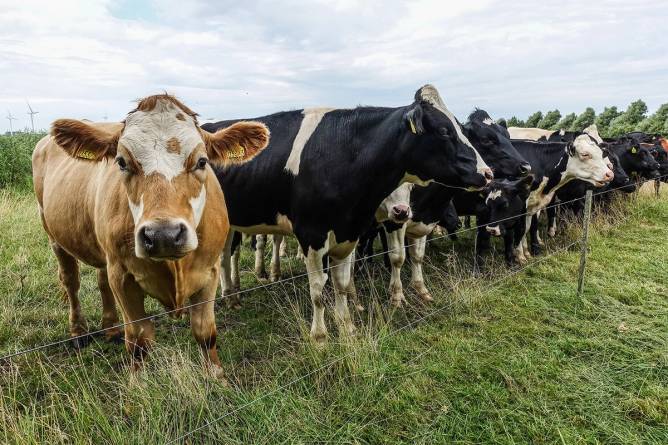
(520, 360)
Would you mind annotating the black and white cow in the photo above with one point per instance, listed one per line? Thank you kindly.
(554, 164)
(326, 171)
(429, 204)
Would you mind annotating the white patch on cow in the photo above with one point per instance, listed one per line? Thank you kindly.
(532, 134)
(282, 226)
(312, 117)
(136, 209)
(492, 196)
(488, 121)
(419, 229)
(197, 204)
(430, 94)
(413, 179)
(494, 230)
(592, 131)
(147, 133)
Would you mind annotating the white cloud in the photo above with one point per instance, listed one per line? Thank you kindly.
(225, 59)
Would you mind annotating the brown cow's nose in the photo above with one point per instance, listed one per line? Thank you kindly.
(163, 239)
(400, 212)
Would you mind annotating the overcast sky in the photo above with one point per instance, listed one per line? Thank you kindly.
(226, 59)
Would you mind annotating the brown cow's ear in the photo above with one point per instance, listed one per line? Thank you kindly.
(84, 141)
(236, 144)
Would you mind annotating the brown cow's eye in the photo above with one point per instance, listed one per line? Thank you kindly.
(201, 163)
(121, 164)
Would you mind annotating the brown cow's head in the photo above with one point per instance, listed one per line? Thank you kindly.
(163, 156)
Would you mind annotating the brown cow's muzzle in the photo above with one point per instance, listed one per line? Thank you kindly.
(164, 240)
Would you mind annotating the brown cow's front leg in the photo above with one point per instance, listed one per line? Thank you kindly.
(68, 272)
(139, 332)
(109, 314)
(203, 322)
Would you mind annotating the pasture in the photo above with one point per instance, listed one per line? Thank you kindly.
(513, 356)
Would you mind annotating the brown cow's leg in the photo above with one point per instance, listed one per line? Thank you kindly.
(68, 272)
(109, 314)
(139, 335)
(203, 323)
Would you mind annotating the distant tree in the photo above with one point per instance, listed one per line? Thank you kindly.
(603, 120)
(627, 121)
(565, 122)
(532, 121)
(549, 120)
(584, 120)
(515, 122)
(656, 123)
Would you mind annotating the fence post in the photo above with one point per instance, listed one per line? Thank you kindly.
(585, 237)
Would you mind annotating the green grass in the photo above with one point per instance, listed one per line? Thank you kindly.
(15, 155)
(518, 360)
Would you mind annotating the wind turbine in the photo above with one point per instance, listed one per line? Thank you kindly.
(11, 118)
(32, 113)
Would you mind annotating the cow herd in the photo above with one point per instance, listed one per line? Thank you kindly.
(153, 202)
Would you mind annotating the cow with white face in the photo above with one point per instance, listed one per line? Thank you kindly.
(554, 164)
(138, 201)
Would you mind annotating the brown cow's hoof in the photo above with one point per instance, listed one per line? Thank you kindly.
(115, 336)
(80, 342)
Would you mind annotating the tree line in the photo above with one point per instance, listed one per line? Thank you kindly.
(611, 122)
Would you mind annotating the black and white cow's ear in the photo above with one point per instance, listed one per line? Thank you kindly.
(413, 119)
(503, 123)
(523, 186)
(570, 147)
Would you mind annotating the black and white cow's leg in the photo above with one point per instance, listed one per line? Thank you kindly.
(521, 250)
(275, 265)
(416, 249)
(229, 295)
(300, 253)
(482, 245)
(316, 280)
(341, 278)
(508, 241)
(384, 246)
(260, 244)
(535, 241)
(352, 290)
(283, 249)
(538, 238)
(467, 222)
(397, 255)
(551, 220)
(234, 267)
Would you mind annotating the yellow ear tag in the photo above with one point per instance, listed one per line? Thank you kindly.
(236, 153)
(86, 154)
(410, 121)
(634, 150)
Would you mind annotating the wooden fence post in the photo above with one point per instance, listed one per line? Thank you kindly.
(585, 237)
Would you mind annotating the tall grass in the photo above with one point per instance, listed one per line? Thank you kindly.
(15, 155)
(520, 359)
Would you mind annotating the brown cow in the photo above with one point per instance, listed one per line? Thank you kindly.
(138, 201)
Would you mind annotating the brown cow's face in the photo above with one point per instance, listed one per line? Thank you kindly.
(163, 161)
(163, 158)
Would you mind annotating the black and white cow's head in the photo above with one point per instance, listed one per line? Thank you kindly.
(587, 161)
(504, 200)
(437, 148)
(493, 143)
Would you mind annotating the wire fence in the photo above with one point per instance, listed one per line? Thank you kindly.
(289, 279)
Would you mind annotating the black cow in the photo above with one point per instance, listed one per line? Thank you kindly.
(429, 204)
(635, 156)
(326, 171)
